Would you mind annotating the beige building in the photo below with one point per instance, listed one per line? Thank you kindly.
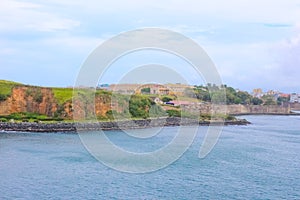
(257, 92)
(178, 89)
(124, 88)
(167, 89)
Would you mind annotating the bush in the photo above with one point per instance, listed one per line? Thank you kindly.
(174, 113)
(204, 116)
(157, 111)
(110, 114)
(2, 119)
(35, 93)
(145, 91)
(3, 97)
(166, 99)
(256, 101)
(230, 117)
(38, 97)
(25, 117)
(139, 106)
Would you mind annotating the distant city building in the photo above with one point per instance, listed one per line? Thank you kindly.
(103, 86)
(284, 95)
(272, 93)
(281, 95)
(257, 93)
(295, 98)
(178, 89)
(124, 88)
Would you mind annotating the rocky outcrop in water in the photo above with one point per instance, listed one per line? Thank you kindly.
(112, 125)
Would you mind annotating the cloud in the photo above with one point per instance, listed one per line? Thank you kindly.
(26, 16)
(250, 41)
(277, 25)
(267, 11)
(75, 44)
(286, 56)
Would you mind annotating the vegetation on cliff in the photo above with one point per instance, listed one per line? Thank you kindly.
(28, 117)
(6, 88)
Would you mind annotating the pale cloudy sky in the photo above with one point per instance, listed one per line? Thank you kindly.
(252, 43)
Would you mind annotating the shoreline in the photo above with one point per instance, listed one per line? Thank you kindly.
(279, 114)
(111, 125)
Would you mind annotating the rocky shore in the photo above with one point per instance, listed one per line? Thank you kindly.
(110, 125)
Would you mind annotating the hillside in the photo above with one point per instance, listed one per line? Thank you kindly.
(19, 101)
(32, 103)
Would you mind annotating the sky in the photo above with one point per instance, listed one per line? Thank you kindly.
(253, 44)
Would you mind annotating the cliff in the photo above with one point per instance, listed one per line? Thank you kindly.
(29, 99)
(51, 102)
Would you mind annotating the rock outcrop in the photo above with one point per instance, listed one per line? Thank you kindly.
(113, 125)
(28, 99)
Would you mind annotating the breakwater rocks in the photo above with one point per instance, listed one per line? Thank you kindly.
(111, 125)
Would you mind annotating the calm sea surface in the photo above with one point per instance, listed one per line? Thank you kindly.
(258, 161)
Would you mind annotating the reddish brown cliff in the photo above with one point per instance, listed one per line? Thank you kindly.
(42, 101)
(29, 99)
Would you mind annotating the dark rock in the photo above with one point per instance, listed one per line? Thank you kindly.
(126, 124)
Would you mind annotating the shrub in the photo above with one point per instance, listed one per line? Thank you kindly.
(2, 119)
(157, 111)
(3, 97)
(139, 106)
(174, 113)
(167, 99)
(35, 93)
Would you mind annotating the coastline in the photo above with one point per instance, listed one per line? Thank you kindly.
(111, 125)
(280, 114)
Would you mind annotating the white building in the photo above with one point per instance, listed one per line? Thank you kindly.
(295, 98)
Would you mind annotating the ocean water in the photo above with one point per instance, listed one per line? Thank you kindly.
(258, 161)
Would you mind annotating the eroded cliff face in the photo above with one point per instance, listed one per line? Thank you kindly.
(42, 101)
(29, 99)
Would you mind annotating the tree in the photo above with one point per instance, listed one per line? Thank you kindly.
(218, 97)
(145, 91)
(139, 106)
(280, 100)
(166, 99)
(269, 100)
(256, 101)
(244, 97)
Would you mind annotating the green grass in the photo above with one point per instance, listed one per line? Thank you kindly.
(6, 87)
(62, 95)
(28, 117)
(184, 98)
(103, 92)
